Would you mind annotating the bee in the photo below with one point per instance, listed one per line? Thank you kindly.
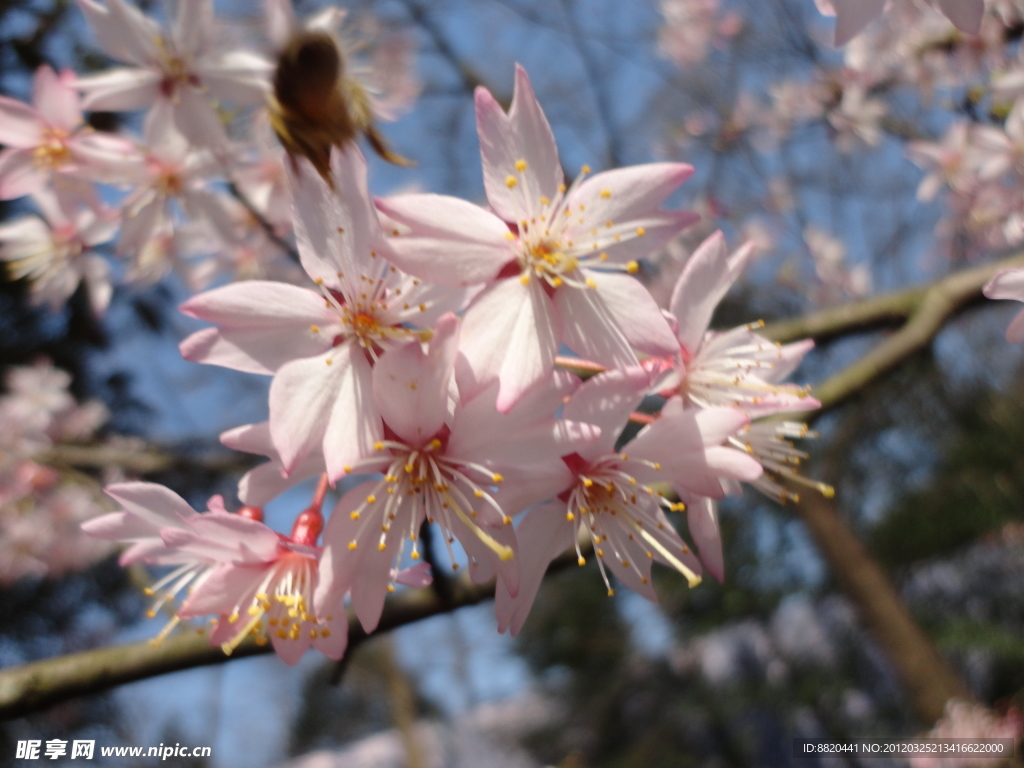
(315, 106)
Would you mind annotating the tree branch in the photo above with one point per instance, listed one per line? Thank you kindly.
(962, 288)
(141, 461)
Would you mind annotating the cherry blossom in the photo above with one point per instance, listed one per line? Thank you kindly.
(852, 16)
(55, 253)
(557, 262)
(182, 67)
(452, 470)
(736, 368)
(608, 498)
(50, 138)
(1009, 284)
(320, 345)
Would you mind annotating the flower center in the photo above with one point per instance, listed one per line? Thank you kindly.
(52, 152)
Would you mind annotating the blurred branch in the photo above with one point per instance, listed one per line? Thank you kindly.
(141, 461)
(926, 304)
(928, 679)
(268, 229)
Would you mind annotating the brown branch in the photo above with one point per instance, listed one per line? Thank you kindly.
(141, 460)
(891, 309)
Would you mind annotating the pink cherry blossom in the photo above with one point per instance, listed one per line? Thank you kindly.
(263, 584)
(55, 253)
(320, 345)
(50, 137)
(267, 481)
(946, 162)
(609, 498)
(1009, 284)
(735, 368)
(449, 469)
(182, 67)
(852, 16)
(967, 720)
(169, 174)
(557, 261)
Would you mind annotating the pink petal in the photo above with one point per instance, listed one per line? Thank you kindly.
(20, 125)
(418, 576)
(707, 277)
(309, 395)
(120, 526)
(224, 589)
(410, 385)
(543, 535)
(510, 333)
(338, 563)
(281, 22)
(288, 650)
(238, 77)
(719, 424)
(371, 585)
(636, 313)
(965, 14)
(852, 16)
(702, 520)
(266, 325)
(523, 134)
(1007, 284)
(355, 424)
(123, 31)
(120, 90)
(334, 644)
(193, 26)
(451, 241)
(336, 230)
(197, 120)
(19, 173)
(732, 463)
(151, 502)
(56, 101)
(606, 401)
(590, 329)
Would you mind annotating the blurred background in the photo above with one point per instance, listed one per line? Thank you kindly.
(800, 146)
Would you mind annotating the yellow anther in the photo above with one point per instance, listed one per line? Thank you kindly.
(382, 546)
(415, 555)
(371, 499)
(587, 482)
(544, 201)
(611, 592)
(509, 236)
(606, 193)
(352, 544)
(524, 278)
(557, 282)
(510, 181)
(640, 231)
(585, 169)
(378, 446)
(315, 328)
(591, 283)
(354, 515)
(497, 478)
(319, 281)
(570, 516)
(434, 444)
(520, 165)
(233, 617)
(478, 493)
(329, 361)
(632, 267)
(391, 587)
(581, 560)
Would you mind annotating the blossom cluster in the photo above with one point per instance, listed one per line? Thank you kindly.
(427, 354)
(41, 510)
(202, 191)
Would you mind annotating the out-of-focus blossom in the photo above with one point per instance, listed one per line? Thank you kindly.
(41, 511)
(182, 68)
(50, 138)
(967, 720)
(54, 253)
(1009, 284)
(857, 117)
(692, 27)
(946, 161)
(558, 262)
(170, 173)
(838, 281)
(852, 16)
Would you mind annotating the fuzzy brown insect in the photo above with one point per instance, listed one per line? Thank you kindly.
(315, 106)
